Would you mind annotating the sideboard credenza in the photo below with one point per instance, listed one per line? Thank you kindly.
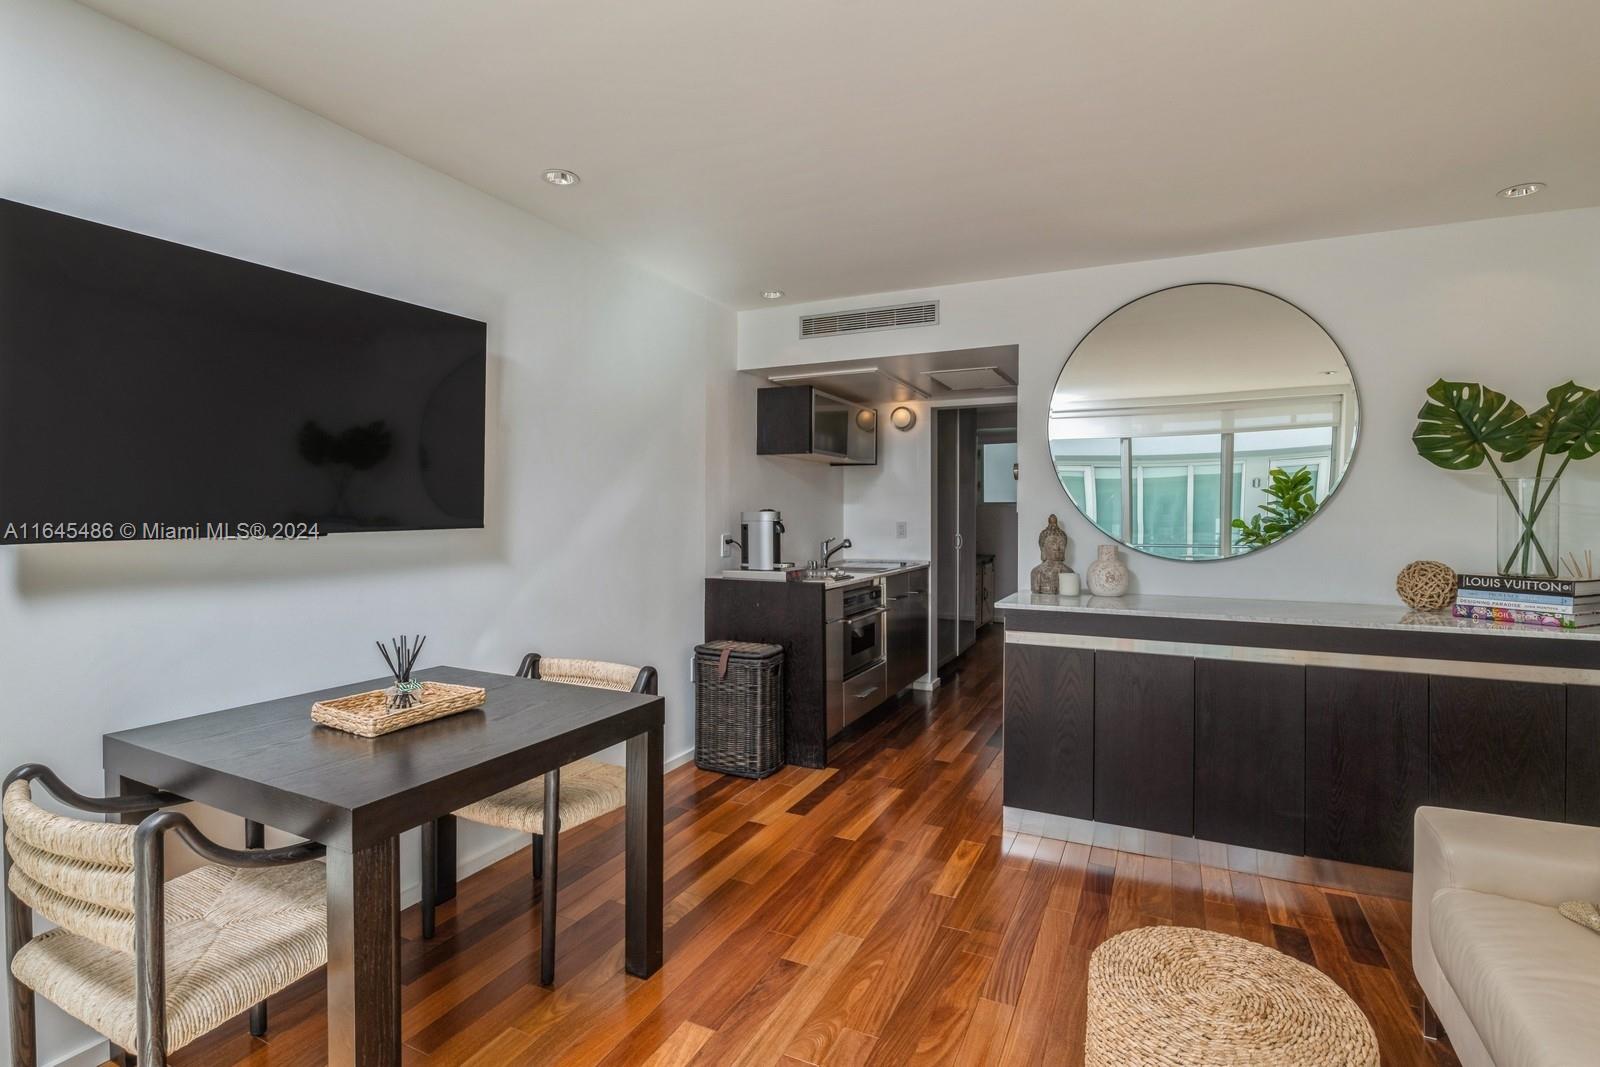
(1297, 729)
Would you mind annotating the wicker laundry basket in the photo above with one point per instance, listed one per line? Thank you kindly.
(738, 708)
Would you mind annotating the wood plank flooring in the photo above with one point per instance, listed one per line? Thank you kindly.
(869, 913)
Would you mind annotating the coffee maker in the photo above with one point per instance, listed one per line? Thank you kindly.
(761, 540)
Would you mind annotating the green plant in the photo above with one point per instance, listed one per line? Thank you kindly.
(1464, 424)
(1293, 501)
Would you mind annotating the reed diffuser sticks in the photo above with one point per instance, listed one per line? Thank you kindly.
(1582, 570)
(405, 691)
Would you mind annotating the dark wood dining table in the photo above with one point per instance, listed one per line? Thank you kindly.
(269, 763)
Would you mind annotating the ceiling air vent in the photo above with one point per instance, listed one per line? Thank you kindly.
(898, 317)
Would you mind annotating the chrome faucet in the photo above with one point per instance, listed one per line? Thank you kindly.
(827, 552)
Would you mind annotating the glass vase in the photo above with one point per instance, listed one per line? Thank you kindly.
(1528, 527)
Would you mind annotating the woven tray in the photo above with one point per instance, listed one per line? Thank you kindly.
(368, 714)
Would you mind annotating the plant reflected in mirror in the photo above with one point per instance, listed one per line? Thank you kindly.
(1292, 501)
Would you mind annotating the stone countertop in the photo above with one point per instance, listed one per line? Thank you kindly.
(902, 567)
(1285, 612)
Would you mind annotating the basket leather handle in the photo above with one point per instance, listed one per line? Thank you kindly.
(722, 663)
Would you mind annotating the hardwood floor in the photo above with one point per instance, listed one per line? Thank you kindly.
(869, 913)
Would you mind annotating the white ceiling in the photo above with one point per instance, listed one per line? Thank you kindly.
(837, 147)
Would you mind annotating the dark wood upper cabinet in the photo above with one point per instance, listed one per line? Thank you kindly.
(1366, 764)
(1498, 746)
(1250, 751)
(1144, 741)
(1583, 754)
(803, 422)
(1049, 730)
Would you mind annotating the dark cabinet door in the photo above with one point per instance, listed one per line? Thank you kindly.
(1498, 746)
(907, 600)
(1049, 731)
(1366, 764)
(1144, 741)
(783, 420)
(1583, 754)
(1250, 750)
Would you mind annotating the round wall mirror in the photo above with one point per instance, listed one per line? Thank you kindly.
(1172, 390)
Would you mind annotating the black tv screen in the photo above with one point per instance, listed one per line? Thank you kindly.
(152, 390)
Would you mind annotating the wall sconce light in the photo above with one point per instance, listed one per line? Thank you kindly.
(903, 418)
(867, 418)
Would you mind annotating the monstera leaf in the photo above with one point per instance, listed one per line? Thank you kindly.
(1547, 425)
(1577, 432)
(1463, 421)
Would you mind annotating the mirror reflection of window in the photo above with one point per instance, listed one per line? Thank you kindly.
(1176, 387)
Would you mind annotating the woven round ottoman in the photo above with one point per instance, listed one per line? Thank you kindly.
(1174, 996)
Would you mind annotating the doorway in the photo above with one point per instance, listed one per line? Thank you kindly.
(974, 521)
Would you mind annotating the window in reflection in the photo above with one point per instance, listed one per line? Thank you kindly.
(1177, 387)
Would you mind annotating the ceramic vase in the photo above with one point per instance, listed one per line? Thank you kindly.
(1107, 575)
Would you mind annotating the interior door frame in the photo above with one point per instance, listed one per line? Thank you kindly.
(935, 407)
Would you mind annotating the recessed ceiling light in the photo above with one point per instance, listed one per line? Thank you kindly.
(562, 177)
(1521, 189)
(772, 294)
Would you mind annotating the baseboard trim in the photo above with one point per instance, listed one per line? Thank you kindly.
(1308, 870)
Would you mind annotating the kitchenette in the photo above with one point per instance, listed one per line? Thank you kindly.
(860, 596)
(855, 633)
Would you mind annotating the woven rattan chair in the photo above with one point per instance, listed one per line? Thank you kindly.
(587, 789)
(148, 963)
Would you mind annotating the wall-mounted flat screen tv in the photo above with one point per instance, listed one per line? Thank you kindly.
(152, 390)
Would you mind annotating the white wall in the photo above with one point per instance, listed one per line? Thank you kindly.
(894, 490)
(1510, 302)
(607, 396)
(810, 495)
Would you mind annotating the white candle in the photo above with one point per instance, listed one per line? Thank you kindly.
(1067, 583)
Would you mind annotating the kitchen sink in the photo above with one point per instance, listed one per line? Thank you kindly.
(870, 568)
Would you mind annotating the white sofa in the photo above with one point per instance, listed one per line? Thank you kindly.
(1513, 982)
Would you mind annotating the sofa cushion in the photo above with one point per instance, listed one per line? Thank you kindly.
(1528, 979)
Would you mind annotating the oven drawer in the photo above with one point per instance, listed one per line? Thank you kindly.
(865, 691)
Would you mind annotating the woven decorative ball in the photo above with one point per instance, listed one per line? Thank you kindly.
(1175, 996)
(1426, 585)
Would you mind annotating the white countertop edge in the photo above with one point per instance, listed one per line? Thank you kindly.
(1286, 613)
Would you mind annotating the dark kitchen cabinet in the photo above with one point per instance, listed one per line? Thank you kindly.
(1250, 751)
(788, 614)
(1498, 746)
(1144, 741)
(1366, 764)
(805, 423)
(1049, 730)
(906, 597)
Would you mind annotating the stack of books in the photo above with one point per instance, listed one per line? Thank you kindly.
(1557, 602)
